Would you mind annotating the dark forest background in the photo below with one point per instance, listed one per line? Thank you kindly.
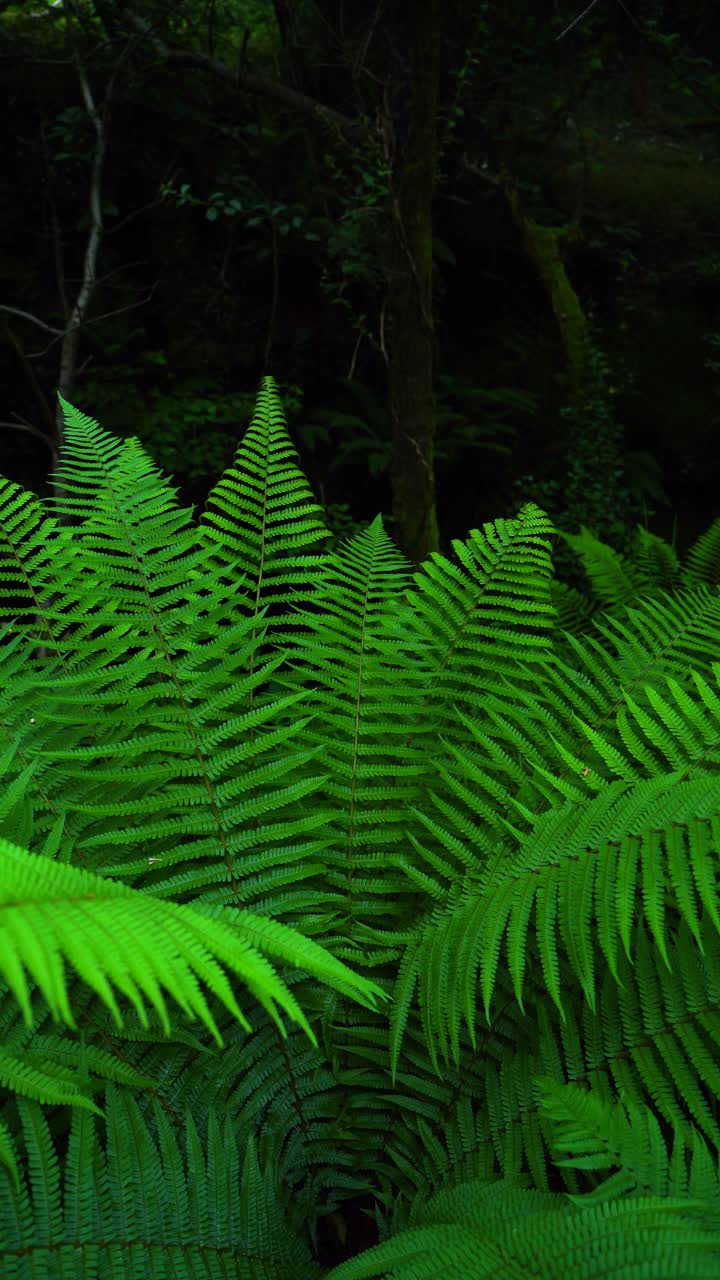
(477, 245)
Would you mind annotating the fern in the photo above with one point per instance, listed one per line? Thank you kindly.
(440, 846)
(650, 566)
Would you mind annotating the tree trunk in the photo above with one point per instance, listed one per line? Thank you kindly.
(415, 34)
(409, 307)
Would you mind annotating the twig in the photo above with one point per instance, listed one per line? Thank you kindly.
(27, 315)
(85, 323)
(576, 20)
(31, 431)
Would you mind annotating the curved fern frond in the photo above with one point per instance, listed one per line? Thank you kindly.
(153, 943)
(501, 1232)
(578, 860)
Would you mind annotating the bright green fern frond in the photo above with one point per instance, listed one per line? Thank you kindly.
(24, 553)
(669, 633)
(673, 730)
(27, 1074)
(87, 463)
(373, 741)
(171, 740)
(570, 730)
(140, 543)
(156, 722)
(261, 516)
(44, 585)
(129, 552)
(150, 740)
(153, 943)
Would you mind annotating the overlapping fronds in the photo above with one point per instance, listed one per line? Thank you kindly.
(228, 755)
(648, 566)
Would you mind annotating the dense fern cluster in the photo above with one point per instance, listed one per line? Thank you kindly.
(430, 860)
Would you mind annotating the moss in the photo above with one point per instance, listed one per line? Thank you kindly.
(657, 185)
(545, 247)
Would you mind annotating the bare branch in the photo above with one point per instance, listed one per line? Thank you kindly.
(351, 130)
(30, 375)
(123, 266)
(144, 208)
(69, 349)
(31, 431)
(85, 323)
(576, 20)
(131, 306)
(27, 315)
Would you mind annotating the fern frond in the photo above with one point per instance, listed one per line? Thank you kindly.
(656, 561)
(260, 519)
(44, 585)
(611, 575)
(702, 561)
(577, 860)
(501, 1232)
(486, 619)
(356, 662)
(650, 566)
(572, 729)
(153, 943)
(573, 609)
(87, 465)
(205, 1204)
(426, 778)
(673, 633)
(616, 1134)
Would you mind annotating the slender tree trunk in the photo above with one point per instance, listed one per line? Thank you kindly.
(409, 307)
